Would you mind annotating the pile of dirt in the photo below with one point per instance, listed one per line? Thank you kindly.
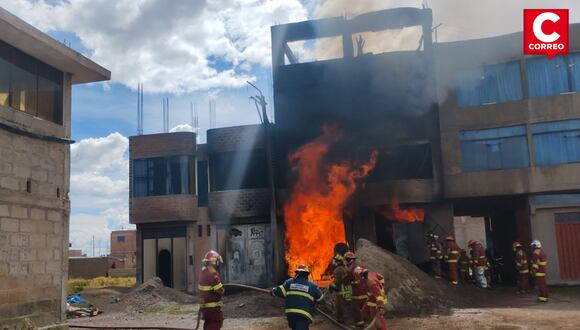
(153, 292)
(410, 291)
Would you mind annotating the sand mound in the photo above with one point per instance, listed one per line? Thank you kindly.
(153, 292)
(410, 291)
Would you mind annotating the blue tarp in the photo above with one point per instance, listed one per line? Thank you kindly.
(76, 299)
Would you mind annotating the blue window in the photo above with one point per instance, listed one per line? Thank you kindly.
(556, 142)
(494, 149)
(490, 84)
(547, 78)
(120, 239)
(558, 199)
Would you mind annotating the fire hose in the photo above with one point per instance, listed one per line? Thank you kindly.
(328, 317)
(230, 285)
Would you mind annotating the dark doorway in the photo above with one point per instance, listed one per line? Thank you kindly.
(384, 230)
(164, 268)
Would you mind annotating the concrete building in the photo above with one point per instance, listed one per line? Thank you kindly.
(483, 140)
(124, 247)
(36, 74)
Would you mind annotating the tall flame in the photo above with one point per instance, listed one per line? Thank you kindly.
(313, 213)
(411, 214)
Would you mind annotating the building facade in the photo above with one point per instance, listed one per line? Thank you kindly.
(36, 74)
(124, 247)
(481, 139)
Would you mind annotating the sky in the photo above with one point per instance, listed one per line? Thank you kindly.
(191, 51)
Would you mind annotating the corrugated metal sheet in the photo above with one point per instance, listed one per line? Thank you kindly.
(568, 242)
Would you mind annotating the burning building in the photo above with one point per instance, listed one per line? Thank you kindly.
(382, 145)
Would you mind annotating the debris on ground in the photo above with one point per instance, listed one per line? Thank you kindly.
(153, 292)
(240, 304)
(77, 306)
(410, 291)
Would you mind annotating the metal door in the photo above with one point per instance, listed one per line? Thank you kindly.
(248, 255)
(568, 242)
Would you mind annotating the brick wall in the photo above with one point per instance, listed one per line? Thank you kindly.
(228, 139)
(127, 249)
(224, 205)
(161, 145)
(163, 208)
(34, 222)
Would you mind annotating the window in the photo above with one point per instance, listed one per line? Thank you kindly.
(556, 142)
(162, 176)
(29, 85)
(202, 184)
(547, 78)
(241, 169)
(494, 149)
(120, 239)
(490, 84)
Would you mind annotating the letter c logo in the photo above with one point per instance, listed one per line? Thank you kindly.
(548, 16)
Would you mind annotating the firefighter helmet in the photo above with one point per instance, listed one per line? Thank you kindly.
(471, 242)
(359, 271)
(302, 268)
(349, 256)
(516, 244)
(449, 238)
(212, 258)
(536, 244)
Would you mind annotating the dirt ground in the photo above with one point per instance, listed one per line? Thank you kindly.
(496, 309)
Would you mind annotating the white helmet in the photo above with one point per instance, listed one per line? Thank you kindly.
(536, 244)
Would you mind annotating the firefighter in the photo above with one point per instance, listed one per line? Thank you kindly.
(478, 263)
(211, 291)
(300, 295)
(464, 267)
(521, 267)
(452, 258)
(435, 254)
(539, 263)
(341, 289)
(374, 285)
(359, 295)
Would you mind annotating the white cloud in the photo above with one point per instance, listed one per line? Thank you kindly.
(173, 46)
(99, 190)
(182, 128)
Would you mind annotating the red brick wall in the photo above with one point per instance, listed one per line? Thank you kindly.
(163, 208)
(125, 250)
(160, 145)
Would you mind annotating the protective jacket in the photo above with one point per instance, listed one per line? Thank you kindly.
(210, 290)
(300, 295)
(539, 263)
(478, 258)
(521, 261)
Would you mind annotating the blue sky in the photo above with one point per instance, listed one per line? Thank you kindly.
(191, 51)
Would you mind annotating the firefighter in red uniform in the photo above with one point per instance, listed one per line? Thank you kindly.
(478, 262)
(521, 267)
(359, 297)
(464, 267)
(435, 254)
(539, 263)
(374, 285)
(452, 257)
(211, 291)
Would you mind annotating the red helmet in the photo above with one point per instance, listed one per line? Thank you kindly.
(449, 238)
(471, 242)
(302, 268)
(212, 258)
(516, 244)
(349, 256)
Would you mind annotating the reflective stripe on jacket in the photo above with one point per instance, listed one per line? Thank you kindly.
(300, 295)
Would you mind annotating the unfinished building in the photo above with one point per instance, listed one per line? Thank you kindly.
(470, 137)
(36, 74)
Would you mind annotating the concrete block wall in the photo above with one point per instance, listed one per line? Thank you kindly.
(163, 208)
(34, 222)
(229, 139)
(244, 203)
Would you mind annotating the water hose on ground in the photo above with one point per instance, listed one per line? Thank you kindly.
(328, 317)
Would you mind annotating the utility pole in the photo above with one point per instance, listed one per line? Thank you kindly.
(260, 101)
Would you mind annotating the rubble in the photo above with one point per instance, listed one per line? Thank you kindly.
(410, 291)
(153, 292)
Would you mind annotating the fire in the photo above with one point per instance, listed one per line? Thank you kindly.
(313, 213)
(411, 214)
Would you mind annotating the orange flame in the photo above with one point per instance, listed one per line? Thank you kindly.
(411, 214)
(313, 213)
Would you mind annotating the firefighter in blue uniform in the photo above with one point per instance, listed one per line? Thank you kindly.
(300, 295)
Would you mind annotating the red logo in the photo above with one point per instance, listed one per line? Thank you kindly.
(546, 32)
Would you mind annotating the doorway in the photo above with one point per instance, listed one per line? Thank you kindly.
(164, 270)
